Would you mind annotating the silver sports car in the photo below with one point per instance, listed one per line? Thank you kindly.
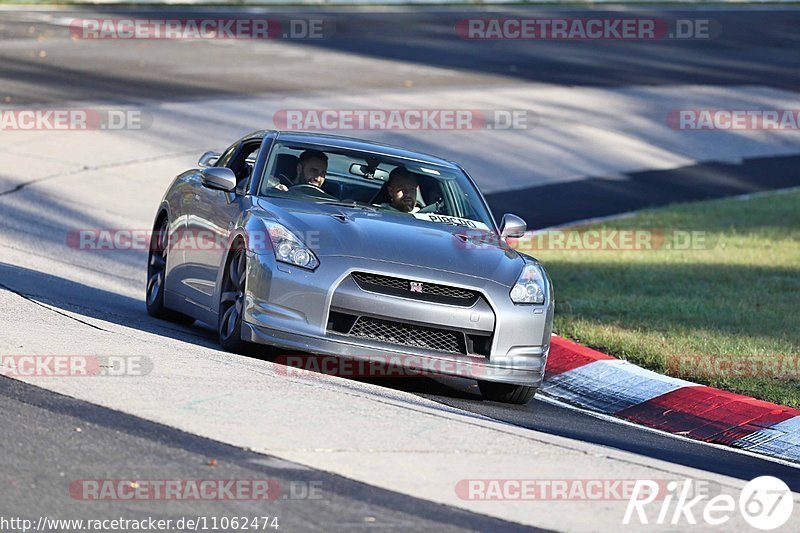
(336, 246)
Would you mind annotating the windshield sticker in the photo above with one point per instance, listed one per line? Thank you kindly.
(455, 221)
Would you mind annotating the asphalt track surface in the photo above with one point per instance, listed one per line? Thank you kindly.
(757, 47)
(39, 430)
(754, 47)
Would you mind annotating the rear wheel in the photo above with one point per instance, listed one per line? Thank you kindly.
(156, 276)
(231, 302)
(506, 393)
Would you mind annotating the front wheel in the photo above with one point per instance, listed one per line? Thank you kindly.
(506, 393)
(231, 302)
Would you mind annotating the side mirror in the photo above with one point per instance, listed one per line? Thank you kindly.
(219, 178)
(512, 226)
(208, 159)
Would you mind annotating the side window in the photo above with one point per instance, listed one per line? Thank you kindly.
(243, 161)
(280, 168)
(226, 156)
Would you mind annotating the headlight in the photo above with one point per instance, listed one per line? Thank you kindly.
(289, 249)
(529, 288)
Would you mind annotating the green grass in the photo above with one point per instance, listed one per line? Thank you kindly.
(726, 314)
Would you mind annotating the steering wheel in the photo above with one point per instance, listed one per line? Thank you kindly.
(285, 180)
(311, 190)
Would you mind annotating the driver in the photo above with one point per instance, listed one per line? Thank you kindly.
(402, 188)
(311, 168)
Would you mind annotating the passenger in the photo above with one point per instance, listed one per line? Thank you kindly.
(402, 188)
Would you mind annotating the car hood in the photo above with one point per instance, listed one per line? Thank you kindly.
(331, 230)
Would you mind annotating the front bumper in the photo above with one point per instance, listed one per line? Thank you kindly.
(522, 369)
(289, 307)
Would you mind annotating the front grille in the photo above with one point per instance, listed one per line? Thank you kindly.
(391, 332)
(407, 335)
(414, 289)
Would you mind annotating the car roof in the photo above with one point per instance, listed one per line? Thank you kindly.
(349, 143)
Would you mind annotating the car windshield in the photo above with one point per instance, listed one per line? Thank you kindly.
(427, 191)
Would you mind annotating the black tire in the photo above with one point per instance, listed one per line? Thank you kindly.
(231, 301)
(156, 271)
(506, 393)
